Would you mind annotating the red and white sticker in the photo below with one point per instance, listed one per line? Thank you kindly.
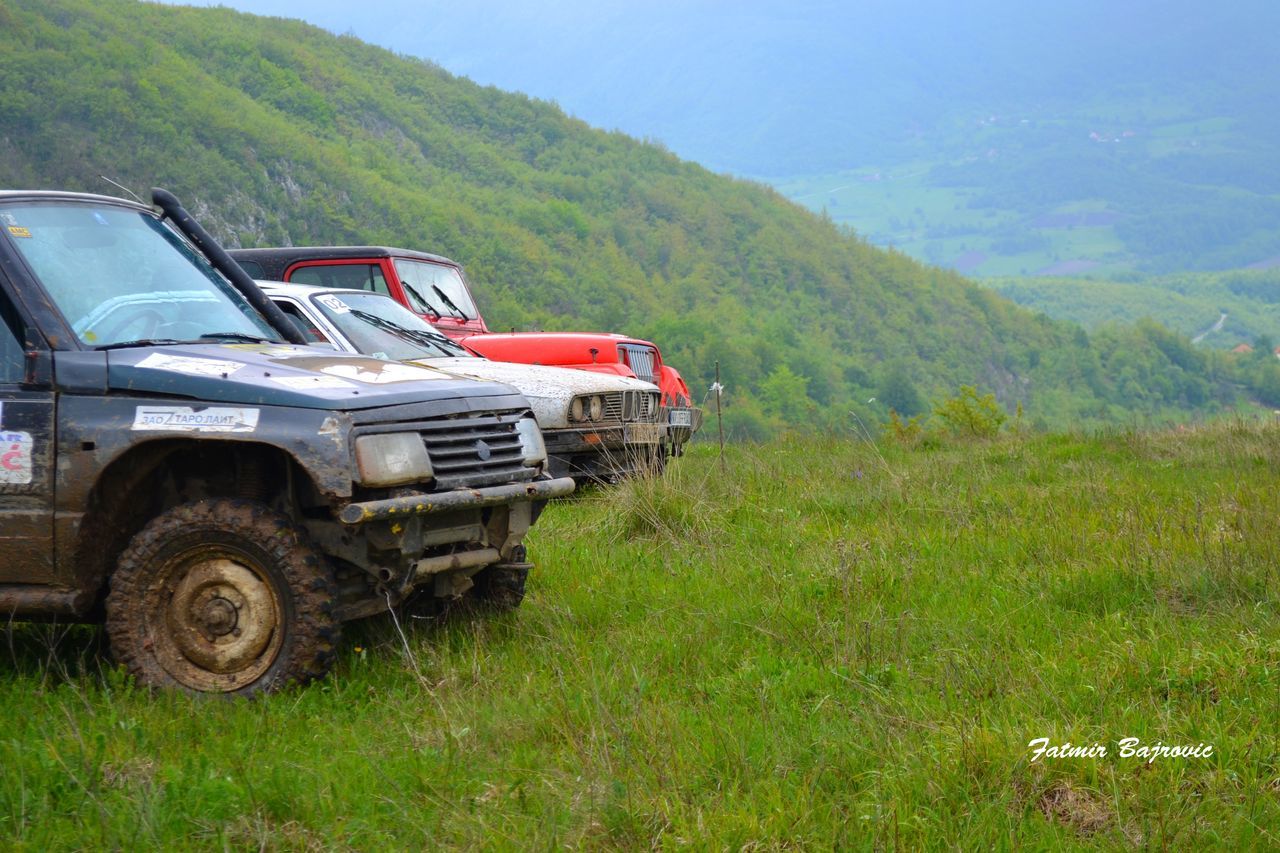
(15, 458)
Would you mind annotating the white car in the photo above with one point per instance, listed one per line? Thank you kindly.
(595, 426)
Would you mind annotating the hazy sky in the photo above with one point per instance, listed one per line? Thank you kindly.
(753, 86)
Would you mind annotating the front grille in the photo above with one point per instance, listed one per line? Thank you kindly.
(475, 449)
(613, 406)
(631, 406)
(642, 360)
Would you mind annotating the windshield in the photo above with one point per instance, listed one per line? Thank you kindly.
(122, 277)
(383, 328)
(435, 289)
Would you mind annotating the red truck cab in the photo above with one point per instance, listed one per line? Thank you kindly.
(436, 289)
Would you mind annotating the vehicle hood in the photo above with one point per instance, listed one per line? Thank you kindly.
(549, 390)
(285, 375)
(551, 347)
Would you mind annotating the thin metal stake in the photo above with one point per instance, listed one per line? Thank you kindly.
(719, 420)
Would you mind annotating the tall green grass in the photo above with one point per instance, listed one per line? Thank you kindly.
(813, 643)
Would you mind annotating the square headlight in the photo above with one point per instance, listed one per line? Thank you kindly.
(531, 443)
(392, 459)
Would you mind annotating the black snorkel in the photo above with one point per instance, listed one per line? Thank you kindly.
(223, 263)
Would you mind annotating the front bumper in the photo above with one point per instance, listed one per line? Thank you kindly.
(458, 499)
(682, 422)
(615, 437)
(604, 453)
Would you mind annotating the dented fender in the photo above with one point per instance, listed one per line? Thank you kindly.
(94, 432)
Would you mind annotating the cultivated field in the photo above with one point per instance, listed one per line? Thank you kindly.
(829, 643)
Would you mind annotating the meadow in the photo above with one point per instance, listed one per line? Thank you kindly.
(809, 643)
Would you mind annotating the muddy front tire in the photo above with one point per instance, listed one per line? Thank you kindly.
(222, 596)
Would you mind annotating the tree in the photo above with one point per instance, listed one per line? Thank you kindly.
(896, 391)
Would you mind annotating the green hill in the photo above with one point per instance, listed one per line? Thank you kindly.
(1189, 303)
(273, 131)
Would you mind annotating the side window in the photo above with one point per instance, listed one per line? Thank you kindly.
(301, 323)
(253, 268)
(12, 357)
(348, 276)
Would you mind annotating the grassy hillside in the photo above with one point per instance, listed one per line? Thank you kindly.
(969, 135)
(276, 132)
(1188, 303)
(1030, 192)
(829, 644)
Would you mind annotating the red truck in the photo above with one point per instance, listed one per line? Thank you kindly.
(435, 288)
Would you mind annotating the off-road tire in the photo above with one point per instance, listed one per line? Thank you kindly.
(222, 596)
(498, 587)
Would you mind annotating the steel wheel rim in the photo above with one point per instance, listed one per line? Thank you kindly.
(216, 621)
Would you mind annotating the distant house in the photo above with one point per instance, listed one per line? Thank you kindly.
(1242, 349)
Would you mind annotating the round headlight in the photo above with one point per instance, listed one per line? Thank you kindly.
(575, 409)
(597, 408)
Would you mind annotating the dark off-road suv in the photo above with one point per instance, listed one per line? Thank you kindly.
(174, 461)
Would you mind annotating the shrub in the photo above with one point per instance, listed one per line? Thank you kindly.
(970, 415)
(908, 432)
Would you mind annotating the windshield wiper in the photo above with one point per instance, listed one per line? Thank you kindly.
(448, 301)
(142, 342)
(421, 297)
(421, 337)
(237, 336)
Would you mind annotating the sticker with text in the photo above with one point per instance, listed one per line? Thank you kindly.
(19, 231)
(15, 458)
(333, 303)
(189, 365)
(187, 419)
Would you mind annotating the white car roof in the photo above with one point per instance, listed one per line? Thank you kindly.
(572, 379)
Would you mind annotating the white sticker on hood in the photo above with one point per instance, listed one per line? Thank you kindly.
(193, 366)
(15, 458)
(187, 419)
(302, 383)
(381, 374)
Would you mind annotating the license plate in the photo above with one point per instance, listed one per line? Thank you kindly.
(680, 418)
(641, 433)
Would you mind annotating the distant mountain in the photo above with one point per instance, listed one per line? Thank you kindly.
(278, 132)
(961, 133)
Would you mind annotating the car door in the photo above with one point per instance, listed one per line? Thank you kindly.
(26, 458)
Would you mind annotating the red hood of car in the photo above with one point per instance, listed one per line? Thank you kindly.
(553, 347)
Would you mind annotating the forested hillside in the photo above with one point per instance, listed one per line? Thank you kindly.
(277, 132)
(993, 136)
(1191, 303)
